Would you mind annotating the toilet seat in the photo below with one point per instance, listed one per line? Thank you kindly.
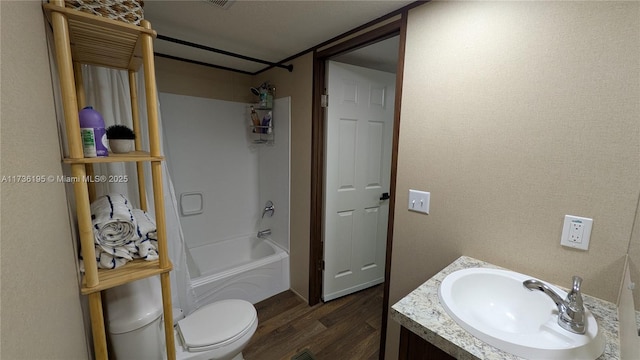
(217, 324)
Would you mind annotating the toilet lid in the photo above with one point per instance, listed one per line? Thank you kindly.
(216, 324)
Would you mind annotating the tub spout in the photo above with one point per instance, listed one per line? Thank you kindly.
(264, 233)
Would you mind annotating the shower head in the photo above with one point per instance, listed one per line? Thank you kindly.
(262, 88)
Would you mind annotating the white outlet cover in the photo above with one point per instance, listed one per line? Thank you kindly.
(576, 226)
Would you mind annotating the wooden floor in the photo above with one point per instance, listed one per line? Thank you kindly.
(347, 328)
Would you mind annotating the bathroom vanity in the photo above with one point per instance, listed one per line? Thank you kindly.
(428, 332)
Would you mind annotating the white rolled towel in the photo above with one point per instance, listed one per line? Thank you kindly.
(113, 221)
(147, 242)
(121, 233)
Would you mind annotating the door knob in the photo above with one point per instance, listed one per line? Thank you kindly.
(385, 196)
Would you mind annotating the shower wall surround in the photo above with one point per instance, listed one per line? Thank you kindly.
(274, 174)
(209, 150)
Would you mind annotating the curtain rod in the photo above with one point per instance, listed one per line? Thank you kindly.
(223, 52)
(202, 63)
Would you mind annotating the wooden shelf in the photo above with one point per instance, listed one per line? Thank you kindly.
(82, 38)
(133, 156)
(131, 271)
(102, 41)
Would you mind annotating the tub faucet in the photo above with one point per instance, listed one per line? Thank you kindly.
(264, 233)
(571, 315)
(268, 208)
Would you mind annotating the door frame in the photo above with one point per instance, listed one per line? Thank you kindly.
(383, 32)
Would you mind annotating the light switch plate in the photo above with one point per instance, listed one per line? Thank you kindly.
(419, 201)
(576, 232)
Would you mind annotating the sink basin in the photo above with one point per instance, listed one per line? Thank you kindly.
(495, 307)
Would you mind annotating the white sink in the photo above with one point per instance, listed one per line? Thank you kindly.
(495, 307)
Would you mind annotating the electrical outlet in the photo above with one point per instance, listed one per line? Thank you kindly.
(576, 232)
(419, 201)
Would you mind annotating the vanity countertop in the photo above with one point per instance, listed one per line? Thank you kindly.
(421, 312)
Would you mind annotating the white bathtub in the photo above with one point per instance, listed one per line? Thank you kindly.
(241, 268)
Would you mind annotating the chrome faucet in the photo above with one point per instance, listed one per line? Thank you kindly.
(571, 315)
(264, 233)
(268, 208)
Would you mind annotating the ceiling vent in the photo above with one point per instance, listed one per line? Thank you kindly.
(224, 4)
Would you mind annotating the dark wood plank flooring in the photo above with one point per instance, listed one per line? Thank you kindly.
(347, 328)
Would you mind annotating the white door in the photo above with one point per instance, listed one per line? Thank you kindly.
(357, 166)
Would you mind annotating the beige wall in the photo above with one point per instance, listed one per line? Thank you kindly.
(195, 80)
(513, 115)
(40, 299)
(178, 77)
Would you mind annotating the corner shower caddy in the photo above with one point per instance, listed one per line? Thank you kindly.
(82, 38)
(263, 134)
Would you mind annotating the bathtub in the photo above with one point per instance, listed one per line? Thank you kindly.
(245, 268)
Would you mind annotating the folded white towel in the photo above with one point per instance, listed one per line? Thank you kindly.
(147, 242)
(113, 220)
(111, 258)
(121, 233)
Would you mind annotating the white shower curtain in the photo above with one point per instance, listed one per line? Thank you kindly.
(107, 90)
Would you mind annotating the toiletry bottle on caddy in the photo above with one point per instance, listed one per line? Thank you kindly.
(255, 120)
(266, 123)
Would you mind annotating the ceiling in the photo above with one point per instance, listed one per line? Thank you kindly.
(268, 30)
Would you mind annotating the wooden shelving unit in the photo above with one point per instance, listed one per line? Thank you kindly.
(134, 270)
(82, 38)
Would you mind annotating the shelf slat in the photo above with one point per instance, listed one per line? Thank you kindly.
(133, 156)
(131, 271)
(102, 41)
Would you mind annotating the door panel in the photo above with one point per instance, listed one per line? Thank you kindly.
(369, 253)
(344, 246)
(375, 155)
(359, 132)
(347, 154)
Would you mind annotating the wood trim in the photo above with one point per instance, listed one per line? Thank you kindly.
(393, 182)
(317, 151)
(317, 189)
(317, 148)
(378, 34)
(348, 33)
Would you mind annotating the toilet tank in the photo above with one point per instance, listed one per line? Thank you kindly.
(134, 320)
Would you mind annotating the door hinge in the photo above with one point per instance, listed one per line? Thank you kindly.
(321, 265)
(324, 100)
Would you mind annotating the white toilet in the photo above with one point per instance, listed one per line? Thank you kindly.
(217, 331)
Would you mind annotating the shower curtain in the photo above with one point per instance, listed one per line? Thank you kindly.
(107, 90)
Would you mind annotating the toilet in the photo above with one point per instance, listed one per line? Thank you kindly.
(217, 331)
